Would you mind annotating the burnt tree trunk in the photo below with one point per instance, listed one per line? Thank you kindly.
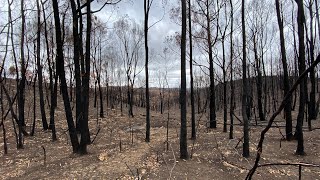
(183, 88)
(61, 73)
(245, 90)
(225, 104)
(147, 5)
(5, 144)
(193, 118)
(84, 128)
(34, 106)
(21, 86)
(51, 123)
(212, 104)
(79, 103)
(312, 102)
(302, 68)
(231, 75)
(41, 96)
(258, 79)
(53, 93)
(100, 98)
(286, 83)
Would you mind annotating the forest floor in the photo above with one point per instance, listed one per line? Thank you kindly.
(214, 155)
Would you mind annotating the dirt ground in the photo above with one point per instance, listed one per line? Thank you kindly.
(120, 152)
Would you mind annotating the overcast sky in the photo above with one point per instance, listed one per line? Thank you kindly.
(157, 34)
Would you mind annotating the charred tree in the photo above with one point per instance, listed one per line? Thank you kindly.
(79, 105)
(302, 68)
(312, 102)
(231, 74)
(51, 123)
(245, 90)
(193, 118)
(258, 78)
(84, 128)
(183, 88)
(286, 83)
(147, 6)
(39, 72)
(61, 73)
(76, 57)
(21, 86)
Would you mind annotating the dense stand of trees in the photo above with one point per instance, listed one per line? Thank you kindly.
(239, 63)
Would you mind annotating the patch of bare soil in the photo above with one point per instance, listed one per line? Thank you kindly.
(120, 152)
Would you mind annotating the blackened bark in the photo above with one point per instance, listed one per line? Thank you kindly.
(159, 107)
(4, 135)
(82, 67)
(183, 88)
(231, 75)
(312, 102)
(146, 28)
(130, 98)
(302, 68)
(212, 104)
(61, 73)
(101, 98)
(84, 128)
(259, 79)
(245, 102)
(272, 118)
(193, 118)
(286, 83)
(51, 123)
(225, 104)
(53, 93)
(99, 82)
(41, 97)
(21, 87)
(34, 107)
(95, 94)
(13, 114)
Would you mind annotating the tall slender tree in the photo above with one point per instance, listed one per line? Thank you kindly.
(311, 43)
(84, 127)
(52, 85)
(79, 113)
(61, 73)
(231, 72)
(212, 100)
(286, 83)
(245, 102)
(302, 68)
(147, 6)
(39, 66)
(212, 104)
(183, 87)
(76, 57)
(223, 26)
(21, 88)
(193, 117)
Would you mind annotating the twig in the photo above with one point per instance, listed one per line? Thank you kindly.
(44, 155)
(290, 164)
(95, 136)
(130, 169)
(237, 117)
(283, 103)
(174, 163)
